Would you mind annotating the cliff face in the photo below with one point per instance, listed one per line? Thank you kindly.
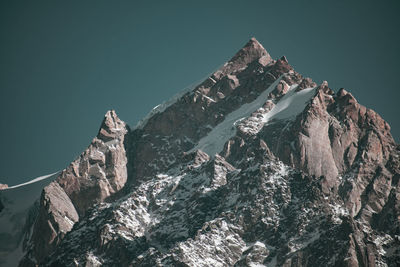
(256, 165)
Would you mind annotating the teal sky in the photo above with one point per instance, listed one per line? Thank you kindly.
(63, 64)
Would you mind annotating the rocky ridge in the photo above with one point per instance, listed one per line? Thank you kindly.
(257, 165)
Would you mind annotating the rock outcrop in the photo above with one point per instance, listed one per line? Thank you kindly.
(56, 217)
(98, 173)
(3, 186)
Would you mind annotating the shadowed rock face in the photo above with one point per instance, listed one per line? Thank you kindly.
(303, 176)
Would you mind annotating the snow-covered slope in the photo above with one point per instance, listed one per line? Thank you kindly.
(214, 141)
(18, 204)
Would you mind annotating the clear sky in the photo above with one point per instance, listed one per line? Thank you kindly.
(63, 64)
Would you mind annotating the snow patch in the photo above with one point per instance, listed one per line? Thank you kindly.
(33, 180)
(215, 140)
(338, 211)
(381, 241)
(290, 105)
(286, 108)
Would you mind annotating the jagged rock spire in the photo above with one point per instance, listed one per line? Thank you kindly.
(251, 52)
(111, 127)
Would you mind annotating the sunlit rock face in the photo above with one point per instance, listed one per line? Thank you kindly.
(255, 166)
(98, 173)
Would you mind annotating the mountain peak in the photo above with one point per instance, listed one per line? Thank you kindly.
(283, 58)
(255, 42)
(250, 52)
(111, 127)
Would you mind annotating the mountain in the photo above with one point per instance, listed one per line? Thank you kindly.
(255, 166)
